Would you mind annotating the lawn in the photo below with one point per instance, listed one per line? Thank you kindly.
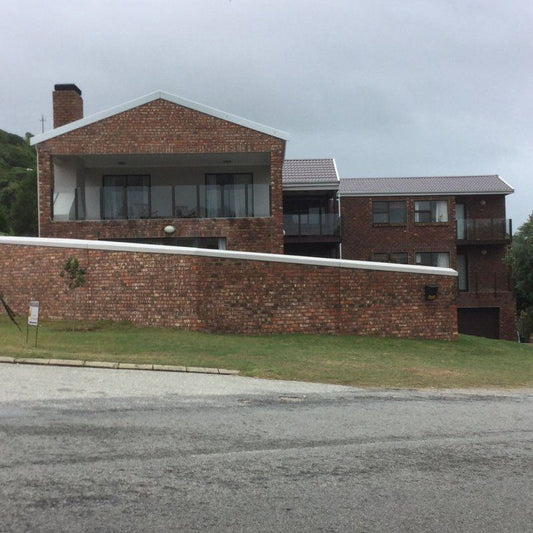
(349, 360)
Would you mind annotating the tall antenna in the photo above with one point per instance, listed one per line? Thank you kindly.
(42, 120)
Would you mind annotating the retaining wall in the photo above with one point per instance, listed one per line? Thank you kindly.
(226, 291)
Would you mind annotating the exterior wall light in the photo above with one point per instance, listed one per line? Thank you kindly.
(431, 292)
(169, 230)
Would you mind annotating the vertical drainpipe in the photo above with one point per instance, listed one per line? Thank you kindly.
(340, 219)
(338, 207)
(38, 194)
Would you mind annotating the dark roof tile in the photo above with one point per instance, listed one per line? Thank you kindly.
(490, 184)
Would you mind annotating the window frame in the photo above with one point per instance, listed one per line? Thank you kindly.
(390, 257)
(388, 212)
(146, 183)
(462, 273)
(220, 193)
(433, 259)
(431, 211)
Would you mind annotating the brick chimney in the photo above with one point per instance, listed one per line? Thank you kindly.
(68, 104)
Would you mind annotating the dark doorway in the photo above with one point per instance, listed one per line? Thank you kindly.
(480, 321)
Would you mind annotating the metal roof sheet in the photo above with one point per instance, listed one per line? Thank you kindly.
(453, 185)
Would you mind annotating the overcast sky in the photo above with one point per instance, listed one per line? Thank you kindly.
(387, 88)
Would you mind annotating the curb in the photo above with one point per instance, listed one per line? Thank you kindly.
(118, 366)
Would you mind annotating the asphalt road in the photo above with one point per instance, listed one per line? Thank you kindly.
(107, 450)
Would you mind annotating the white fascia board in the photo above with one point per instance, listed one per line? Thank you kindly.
(222, 254)
(316, 186)
(156, 95)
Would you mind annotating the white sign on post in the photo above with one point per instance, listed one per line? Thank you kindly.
(33, 316)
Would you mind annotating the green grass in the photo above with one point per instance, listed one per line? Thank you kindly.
(349, 360)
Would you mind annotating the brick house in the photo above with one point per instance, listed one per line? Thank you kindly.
(164, 170)
(160, 169)
(456, 222)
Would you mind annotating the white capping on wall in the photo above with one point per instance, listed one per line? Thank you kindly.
(223, 254)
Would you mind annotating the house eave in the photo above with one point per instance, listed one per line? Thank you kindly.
(319, 186)
(428, 193)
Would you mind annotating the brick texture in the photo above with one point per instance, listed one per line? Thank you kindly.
(488, 275)
(162, 127)
(361, 238)
(229, 295)
(68, 107)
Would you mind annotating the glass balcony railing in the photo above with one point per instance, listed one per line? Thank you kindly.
(166, 201)
(311, 224)
(484, 229)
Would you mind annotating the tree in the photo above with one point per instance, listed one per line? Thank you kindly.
(18, 185)
(4, 221)
(75, 276)
(520, 258)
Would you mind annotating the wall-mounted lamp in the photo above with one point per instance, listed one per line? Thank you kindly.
(483, 252)
(431, 292)
(169, 230)
(483, 202)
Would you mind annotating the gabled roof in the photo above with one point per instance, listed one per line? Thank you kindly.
(316, 174)
(156, 95)
(440, 185)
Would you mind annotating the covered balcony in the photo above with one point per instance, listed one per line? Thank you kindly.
(135, 187)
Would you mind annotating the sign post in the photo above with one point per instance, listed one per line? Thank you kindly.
(33, 319)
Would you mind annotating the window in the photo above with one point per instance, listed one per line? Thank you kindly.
(435, 259)
(462, 271)
(229, 195)
(213, 243)
(389, 212)
(394, 257)
(431, 211)
(125, 197)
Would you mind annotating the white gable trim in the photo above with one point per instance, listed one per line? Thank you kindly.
(156, 95)
(223, 254)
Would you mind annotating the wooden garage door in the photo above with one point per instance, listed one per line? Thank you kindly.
(480, 321)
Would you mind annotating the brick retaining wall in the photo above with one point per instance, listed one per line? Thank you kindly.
(228, 291)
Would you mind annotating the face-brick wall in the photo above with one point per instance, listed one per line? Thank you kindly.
(361, 238)
(223, 294)
(488, 275)
(162, 127)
